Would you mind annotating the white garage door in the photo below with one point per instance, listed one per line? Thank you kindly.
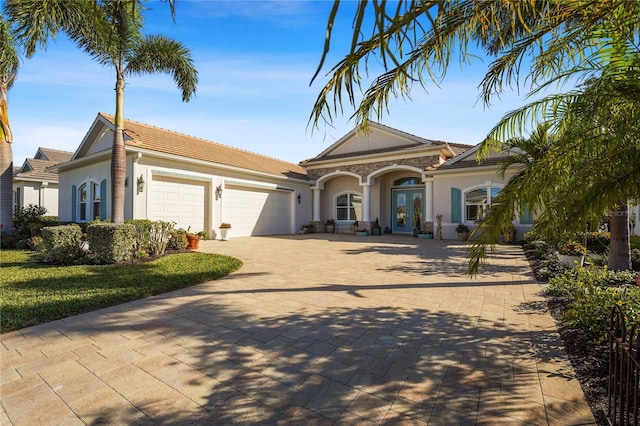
(253, 211)
(177, 200)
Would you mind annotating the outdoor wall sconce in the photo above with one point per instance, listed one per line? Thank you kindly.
(140, 184)
(299, 198)
(218, 192)
(126, 182)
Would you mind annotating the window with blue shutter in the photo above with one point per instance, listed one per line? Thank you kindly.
(74, 203)
(456, 205)
(103, 199)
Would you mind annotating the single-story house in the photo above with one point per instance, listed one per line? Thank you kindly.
(399, 179)
(193, 182)
(403, 181)
(36, 181)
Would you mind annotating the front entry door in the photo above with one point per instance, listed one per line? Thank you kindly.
(407, 209)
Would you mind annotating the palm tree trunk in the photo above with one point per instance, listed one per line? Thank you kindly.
(118, 157)
(6, 187)
(6, 159)
(620, 246)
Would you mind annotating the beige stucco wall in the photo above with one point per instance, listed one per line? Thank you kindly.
(465, 182)
(89, 173)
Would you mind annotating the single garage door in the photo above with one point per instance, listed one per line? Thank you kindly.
(178, 200)
(255, 211)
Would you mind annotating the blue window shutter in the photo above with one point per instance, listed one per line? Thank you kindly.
(103, 199)
(526, 218)
(456, 207)
(74, 202)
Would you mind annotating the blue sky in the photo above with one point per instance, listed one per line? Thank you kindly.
(255, 61)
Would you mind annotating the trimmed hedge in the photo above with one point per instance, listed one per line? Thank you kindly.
(62, 244)
(111, 242)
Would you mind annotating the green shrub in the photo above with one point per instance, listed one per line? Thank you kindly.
(551, 268)
(111, 242)
(593, 292)
(143, 226)
(635, 259)
(27, 221)
(62, 244)
(8, 241)
(159, 236)
(598, 259)
(178, 241)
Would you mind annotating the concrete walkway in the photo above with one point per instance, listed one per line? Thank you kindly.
(313, 329)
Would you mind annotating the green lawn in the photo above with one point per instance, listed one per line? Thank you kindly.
(33, 293)
(635, 241)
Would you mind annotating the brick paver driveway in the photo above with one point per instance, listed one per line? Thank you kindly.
(313, 329)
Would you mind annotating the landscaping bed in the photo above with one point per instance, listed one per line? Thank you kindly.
(586, 349)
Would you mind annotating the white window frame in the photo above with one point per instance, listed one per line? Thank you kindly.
(488, 187)
(335, 207)
(92, 202)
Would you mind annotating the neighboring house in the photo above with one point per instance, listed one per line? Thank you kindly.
(402, 180)
(36, 181)
(190, 181)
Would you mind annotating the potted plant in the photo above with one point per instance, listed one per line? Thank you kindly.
(376, 229)
(361, 231)
(224, 231)
(463, 232)
(571, 254)
(193, 239)
(425, 235)
(306, 229)
(330, 226)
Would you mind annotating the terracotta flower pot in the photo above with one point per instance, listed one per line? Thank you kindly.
(193, 242)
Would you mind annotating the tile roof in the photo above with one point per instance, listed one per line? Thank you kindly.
(165, 141)
(470, 164)
(55, 155)
(37, 170)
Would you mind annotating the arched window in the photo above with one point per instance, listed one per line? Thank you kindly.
(82, 196)
(407, 181)
(478, 201)
(89, 199)
(349, 207)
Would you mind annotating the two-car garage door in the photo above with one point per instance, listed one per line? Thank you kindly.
(256, 211)
(251, 210)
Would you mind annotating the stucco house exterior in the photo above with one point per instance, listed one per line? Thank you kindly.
(36, 181)
(404, 181)
(399, 179)
(195, 183)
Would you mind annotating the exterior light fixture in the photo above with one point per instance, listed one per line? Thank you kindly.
(140, 184)
(299, 198)
(218, 192)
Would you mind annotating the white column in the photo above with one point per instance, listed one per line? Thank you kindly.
(316, 204)
(366, 202)
(428, 200)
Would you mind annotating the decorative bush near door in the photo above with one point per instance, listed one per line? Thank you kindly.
(463, 232)
(330, 226)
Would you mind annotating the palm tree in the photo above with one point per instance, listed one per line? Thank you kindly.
(9, 62)
(109, 31)
(562, 40)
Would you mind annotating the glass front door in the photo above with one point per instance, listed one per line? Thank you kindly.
(407, 209)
